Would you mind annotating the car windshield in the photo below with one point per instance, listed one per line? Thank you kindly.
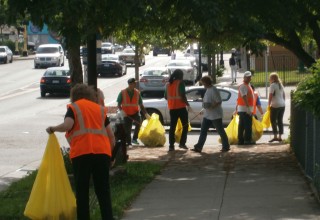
(128, 51)
(57, 73)
(106, 45)
(47, 50)
(2, 50)
(180, 63)
(110, 58)
(155, 73)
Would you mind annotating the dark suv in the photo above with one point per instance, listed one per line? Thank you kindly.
(161, 50)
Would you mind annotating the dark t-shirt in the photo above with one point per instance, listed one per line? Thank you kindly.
(70, 114)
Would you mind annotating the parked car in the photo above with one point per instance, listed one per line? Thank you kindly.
(49, 55)
(6, 54)
(189, 69)
(112, 65)
(161, 50)
(153, 79)
(128, 55)
(107, 47)
(195, 95)
(195, 55)
(55, 80)
(117, 47)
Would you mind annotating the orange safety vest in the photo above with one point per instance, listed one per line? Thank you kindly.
(250, 96)
(89, 134)
(255, 95)
(173, 96)
(130, 106)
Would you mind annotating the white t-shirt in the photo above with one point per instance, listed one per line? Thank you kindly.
(277, 100)
(212, 96)
(243, 89)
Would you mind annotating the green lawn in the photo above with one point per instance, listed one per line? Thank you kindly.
(125, 187)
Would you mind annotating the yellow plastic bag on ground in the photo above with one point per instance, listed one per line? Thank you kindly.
(178, 131)
(152, 132)
(257, 129)
(266, 119)
(51, 196)
(232, 130)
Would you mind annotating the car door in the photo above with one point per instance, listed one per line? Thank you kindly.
(194, 97)
(228, 104)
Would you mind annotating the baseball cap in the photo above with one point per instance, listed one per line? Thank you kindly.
(131, 80)
(247, 74)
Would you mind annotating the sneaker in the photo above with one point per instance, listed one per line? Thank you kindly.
(225, 149)
(135, 141)
(183, 147)
(171, 148)
(197, 150)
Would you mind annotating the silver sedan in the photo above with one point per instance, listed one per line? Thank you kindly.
(194, 95)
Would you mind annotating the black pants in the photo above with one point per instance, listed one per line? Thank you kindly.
(128, 121)
(245, 128)
(97, 167)
(181, 113)
(276, 119)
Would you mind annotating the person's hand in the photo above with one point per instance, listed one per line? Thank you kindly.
(249, 111)
(49, 130)
(189, 108)
(122, 114)
(147, 116)
(235, 113)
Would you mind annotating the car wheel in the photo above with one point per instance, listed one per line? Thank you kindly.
(43, 94)
(35, 66)
(125, 71)
(6, 60)
(11, 59)
(62, 64)
(151, 111)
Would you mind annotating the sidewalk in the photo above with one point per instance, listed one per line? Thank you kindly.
(258, 182)
(253, 182)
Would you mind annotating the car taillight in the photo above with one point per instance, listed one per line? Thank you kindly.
(144, 80)
(69, 81)
(42, 80)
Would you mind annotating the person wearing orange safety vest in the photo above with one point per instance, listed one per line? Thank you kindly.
(178, 105)
(256, 103)
(245, 107)
(91, 140)
(129, 103)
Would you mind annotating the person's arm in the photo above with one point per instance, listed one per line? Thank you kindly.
(63, 127)
(270, 99)
(183, 96)
(112, 139)
(119, 100)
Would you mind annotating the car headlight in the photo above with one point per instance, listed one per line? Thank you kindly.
(37, 58)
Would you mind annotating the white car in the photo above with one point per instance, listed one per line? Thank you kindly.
(153, 80)
(194, 95)
(189, 69)
(5, 54)
(48, 55)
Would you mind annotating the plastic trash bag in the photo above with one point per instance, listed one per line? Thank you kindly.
(257, 129)
(266, 119)
(232, 130)
(51, 196)
(152, 132)
(178, 131)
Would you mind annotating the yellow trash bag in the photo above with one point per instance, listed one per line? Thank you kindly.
(232, 130)
(152, 132)
(266, 119)
(178, 131)
(257, 129)
(51, 196)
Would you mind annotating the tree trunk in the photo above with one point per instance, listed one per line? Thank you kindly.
(214, 70)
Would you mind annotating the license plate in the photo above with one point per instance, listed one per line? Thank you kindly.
(55, 81)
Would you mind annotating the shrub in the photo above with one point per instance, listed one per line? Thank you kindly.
(307, 94)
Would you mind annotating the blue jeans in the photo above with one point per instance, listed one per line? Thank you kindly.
(205, 125)
(244, 128)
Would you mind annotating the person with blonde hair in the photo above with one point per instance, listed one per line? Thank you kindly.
(276, 102)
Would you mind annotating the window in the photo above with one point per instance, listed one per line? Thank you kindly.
(225, 95)
(195, 95)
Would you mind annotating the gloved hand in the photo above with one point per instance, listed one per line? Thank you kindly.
(122, 114)
(249, 111)
(147, 116)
